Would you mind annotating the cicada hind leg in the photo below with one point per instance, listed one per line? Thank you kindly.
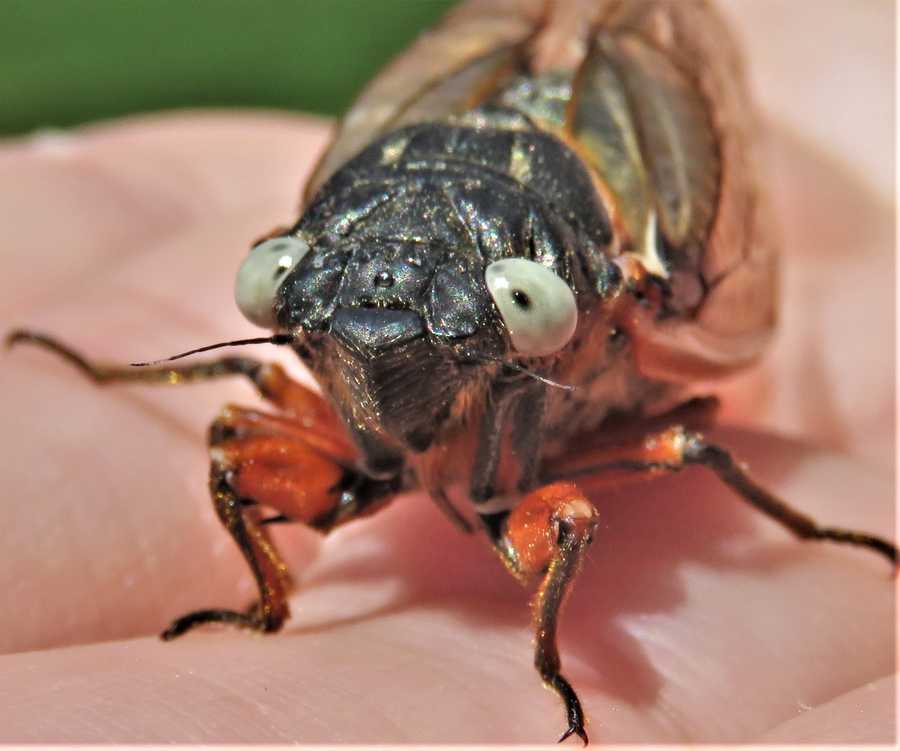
(297, 463)
(671, 443)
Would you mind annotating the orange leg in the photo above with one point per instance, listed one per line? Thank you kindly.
(547, 535)
(261, 460)
(676, 447)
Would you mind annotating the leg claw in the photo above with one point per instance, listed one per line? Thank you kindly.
(575, 730)
(200, 617)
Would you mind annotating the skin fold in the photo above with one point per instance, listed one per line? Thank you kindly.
(694, 620)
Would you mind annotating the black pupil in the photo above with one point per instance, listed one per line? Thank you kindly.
(521, 299)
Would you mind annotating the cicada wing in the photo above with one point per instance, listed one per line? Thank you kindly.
(714, 110)
(660, 109)
(643, 123)
(448, 69)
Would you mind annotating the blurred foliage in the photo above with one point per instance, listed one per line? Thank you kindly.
(64, 62)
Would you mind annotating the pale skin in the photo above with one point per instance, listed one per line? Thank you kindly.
(694, 620)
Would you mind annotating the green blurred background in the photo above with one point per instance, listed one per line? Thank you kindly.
(64, 62)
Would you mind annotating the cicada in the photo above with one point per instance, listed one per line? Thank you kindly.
(534, 232)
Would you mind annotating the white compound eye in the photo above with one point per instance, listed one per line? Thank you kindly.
(537, 306)
(261, 274)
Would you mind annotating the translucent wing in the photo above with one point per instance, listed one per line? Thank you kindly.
(660, 108)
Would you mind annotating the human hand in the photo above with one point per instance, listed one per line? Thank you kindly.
(694, 620)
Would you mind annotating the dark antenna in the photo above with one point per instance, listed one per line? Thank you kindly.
(276, 339)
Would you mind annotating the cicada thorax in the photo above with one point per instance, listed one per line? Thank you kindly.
(399, 325)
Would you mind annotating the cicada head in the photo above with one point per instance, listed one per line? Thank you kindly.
(406, 302)
(395, 331)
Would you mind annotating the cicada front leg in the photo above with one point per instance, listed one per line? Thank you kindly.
(291, 466)
(299, 463)
(545, 538)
